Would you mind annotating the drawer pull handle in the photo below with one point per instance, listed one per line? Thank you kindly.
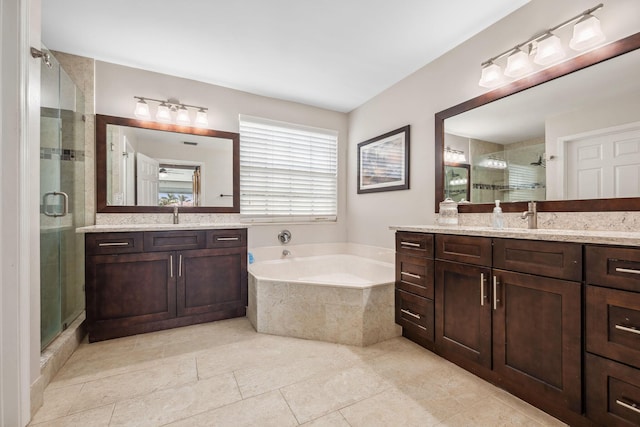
(628, 329)
(413, 245)
(171, 265)
(482, 290)
(114, 244)
(415, 276)
(495, 293)
(226, 239)
(421, 327)
(417, 316)
(627, 270)
(180, 265)
(631, 406)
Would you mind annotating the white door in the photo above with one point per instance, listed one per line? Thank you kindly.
(147, 180)
(604, 166)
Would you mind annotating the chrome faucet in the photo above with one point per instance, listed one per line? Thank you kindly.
(176, 219)
(531, 215)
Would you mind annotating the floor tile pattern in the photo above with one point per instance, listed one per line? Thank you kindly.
(225, 374)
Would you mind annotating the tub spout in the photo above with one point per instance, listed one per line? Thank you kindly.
(286, 253)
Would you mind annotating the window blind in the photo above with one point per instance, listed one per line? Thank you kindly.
(288, 172)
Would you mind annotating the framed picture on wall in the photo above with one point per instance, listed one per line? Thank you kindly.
(383, 162)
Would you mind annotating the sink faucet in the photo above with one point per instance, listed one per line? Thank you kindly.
(176, 219)
(531, 215)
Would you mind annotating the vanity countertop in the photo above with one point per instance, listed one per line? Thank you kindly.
(157, 227)
(625, 238)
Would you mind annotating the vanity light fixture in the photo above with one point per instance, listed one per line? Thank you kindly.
(166, 108)
(453, 156)
(518, 64)
(547, 48)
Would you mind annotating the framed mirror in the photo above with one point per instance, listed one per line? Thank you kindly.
(530, 140)
(144, 167)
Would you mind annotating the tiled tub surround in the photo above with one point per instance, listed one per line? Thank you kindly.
(345, 295)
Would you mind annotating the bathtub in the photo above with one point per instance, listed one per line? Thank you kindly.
(342, 296)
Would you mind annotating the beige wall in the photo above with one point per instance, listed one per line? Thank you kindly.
(116, 85)
(447, 81)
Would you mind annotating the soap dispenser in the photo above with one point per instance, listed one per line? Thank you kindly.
(497, 220)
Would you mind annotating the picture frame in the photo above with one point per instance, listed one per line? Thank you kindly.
(383, 162)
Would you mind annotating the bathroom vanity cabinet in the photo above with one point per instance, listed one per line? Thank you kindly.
(145, 281)
(414, 287)
(613, 335)
(517, 313)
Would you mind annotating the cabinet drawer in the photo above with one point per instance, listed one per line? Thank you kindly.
(612, 392)
(113, 243)
(613, 324)
(415, 313)
(466, 249)
(226, 238)
(613, 267)
(551, 259)
(173, 240)
(417, 244)
(415, 275)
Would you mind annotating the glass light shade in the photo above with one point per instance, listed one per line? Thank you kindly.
(491, 76)
(586, 33)
(549, 50)
(142, 110)
(518, 64)
(202, 120)
(163, 114)
(183, 116)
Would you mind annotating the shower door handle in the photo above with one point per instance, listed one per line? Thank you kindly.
(65, 203)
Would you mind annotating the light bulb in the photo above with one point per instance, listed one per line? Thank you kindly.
(183, 116)
(586, 33)
(549, 50)
(142, 110)
(518, 64)
(163, 114)
(202, 120)
(491, 76)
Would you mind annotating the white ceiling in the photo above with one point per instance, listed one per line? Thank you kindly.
(335, 54)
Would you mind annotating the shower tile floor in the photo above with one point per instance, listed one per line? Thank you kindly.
(226, 374)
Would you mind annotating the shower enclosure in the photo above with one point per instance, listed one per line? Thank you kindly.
(62, 136)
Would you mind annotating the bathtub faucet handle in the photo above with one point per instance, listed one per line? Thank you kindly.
(284, 236)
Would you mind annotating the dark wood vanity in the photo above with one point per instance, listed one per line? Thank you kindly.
(555, 323)
(142, 281)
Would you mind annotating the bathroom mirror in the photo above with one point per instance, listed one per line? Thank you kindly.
(144, 166)
(527, 140)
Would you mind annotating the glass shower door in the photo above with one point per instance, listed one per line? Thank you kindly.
(61, 201)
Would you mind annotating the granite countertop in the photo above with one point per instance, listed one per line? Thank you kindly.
(157, 227)
(578, 236)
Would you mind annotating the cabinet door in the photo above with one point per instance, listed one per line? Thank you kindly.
(129, 289)
(537, 336)
(211, 280)
(463, 314)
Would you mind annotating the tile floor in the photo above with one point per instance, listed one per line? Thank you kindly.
(226, 374)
